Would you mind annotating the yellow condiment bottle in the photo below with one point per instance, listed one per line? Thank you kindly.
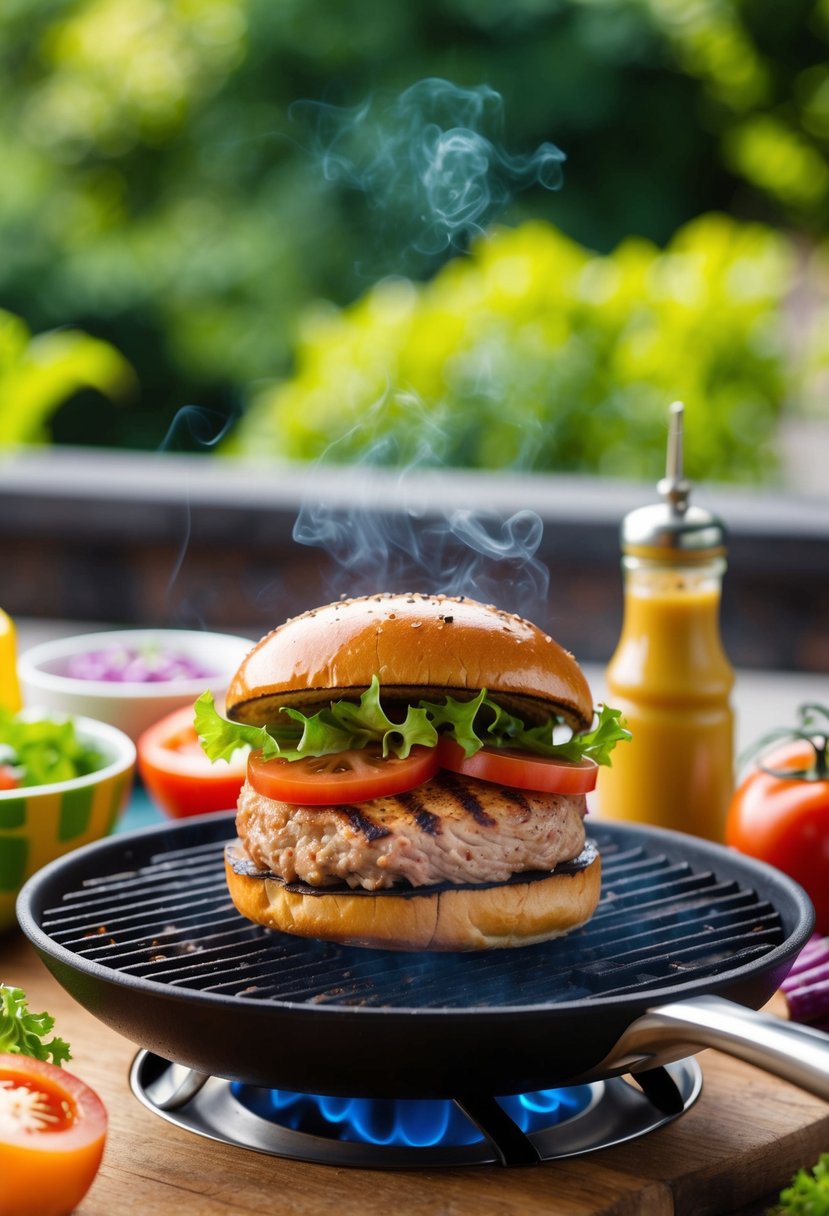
(9, 686)
(669, 675)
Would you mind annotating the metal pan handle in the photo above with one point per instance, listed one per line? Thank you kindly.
(795, 1053)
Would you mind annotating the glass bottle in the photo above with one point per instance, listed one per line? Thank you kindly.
(669, 675)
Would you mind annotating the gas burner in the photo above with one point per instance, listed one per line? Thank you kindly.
(405, 1134)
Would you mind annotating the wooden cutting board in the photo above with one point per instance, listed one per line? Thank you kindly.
(742, 1141)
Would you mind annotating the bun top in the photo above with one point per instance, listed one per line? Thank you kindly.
(419, 646)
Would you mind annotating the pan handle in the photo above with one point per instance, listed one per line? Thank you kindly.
(796, 1053)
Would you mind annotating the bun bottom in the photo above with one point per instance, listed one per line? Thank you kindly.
(516, 913)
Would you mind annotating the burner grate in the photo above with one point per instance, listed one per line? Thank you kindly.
(604, 1113)
(170, 921)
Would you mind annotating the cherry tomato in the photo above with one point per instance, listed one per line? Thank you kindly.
(785, 821)
(353, 776)
(8, 778)
(177, 773)
(52, 1132)
(520, 770)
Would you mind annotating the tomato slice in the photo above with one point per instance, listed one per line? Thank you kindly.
(178, 775)
(52, 1133)
(518, 769)
(352, 776)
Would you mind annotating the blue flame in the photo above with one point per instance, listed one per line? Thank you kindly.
(412, 1123)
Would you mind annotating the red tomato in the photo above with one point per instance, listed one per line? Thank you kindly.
(8, 778)
(520, 770)
(785, 821)
(52, 1132)
(353, 776)
(177, 773)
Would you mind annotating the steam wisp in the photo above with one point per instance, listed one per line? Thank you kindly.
(456, 552)
(429, 160)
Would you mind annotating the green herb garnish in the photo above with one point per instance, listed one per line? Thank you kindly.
(24, 1033)
(808, 1192)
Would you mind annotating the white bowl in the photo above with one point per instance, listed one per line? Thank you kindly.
(41, 822)
(130, 706)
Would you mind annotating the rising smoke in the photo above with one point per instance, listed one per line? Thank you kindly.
(409, 546)
(432, 167)
(429, 161)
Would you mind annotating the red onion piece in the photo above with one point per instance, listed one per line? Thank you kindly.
(815, 951)
(119, 665)
(806, 987)
(810, 1003)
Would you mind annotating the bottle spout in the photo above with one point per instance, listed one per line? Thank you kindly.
(673, 487)
(672, 528)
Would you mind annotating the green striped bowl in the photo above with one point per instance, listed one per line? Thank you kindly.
(45, 821)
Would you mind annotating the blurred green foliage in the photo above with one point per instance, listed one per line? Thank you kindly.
(534, 353)
(162, 192)
(38, 373)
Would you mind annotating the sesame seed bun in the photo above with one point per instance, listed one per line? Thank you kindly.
(418, 646)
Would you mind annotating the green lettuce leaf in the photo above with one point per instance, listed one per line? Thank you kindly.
(43, 751)
(482, 723)
(808, 1192)
(341, 726)
(344, 725)
(595, 744)
(24, 1033)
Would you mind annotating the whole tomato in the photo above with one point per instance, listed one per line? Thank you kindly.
(780, 811)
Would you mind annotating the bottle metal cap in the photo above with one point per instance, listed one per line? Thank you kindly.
(672, 528)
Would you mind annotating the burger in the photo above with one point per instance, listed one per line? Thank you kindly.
(417, 776)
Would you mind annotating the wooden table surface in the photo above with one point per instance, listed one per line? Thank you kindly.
(743, 1139)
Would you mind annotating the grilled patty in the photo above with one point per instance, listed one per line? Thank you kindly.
(451, 829)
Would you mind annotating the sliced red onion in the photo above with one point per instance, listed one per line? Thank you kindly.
(809, 1003)
(816, 950)
(119, 665)
(806, 987)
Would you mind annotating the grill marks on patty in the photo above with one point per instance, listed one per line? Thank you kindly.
(453, 828)
(362, 823)
(426, 820)
(463, 792)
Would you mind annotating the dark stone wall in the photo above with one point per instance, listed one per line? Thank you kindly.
(178, 541)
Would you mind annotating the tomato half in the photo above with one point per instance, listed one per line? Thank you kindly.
(785, 821)
(52, 1133)
(353, 776)
(520, 770)
(178, 775)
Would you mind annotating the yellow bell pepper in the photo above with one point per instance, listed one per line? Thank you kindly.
(9, 685)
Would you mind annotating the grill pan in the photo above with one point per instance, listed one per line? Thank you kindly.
(688, 939)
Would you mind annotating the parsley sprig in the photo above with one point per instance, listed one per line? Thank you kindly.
(24, 1033)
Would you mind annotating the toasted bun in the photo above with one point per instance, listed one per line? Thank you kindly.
(414, 644)
(454, 918)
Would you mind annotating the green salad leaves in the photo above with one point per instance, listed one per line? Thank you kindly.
(344, 725)
(42, 751)
(808, 1192)
(24, 1033)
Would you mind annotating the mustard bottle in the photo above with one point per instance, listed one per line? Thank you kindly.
(9, 686)
(669, 674)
